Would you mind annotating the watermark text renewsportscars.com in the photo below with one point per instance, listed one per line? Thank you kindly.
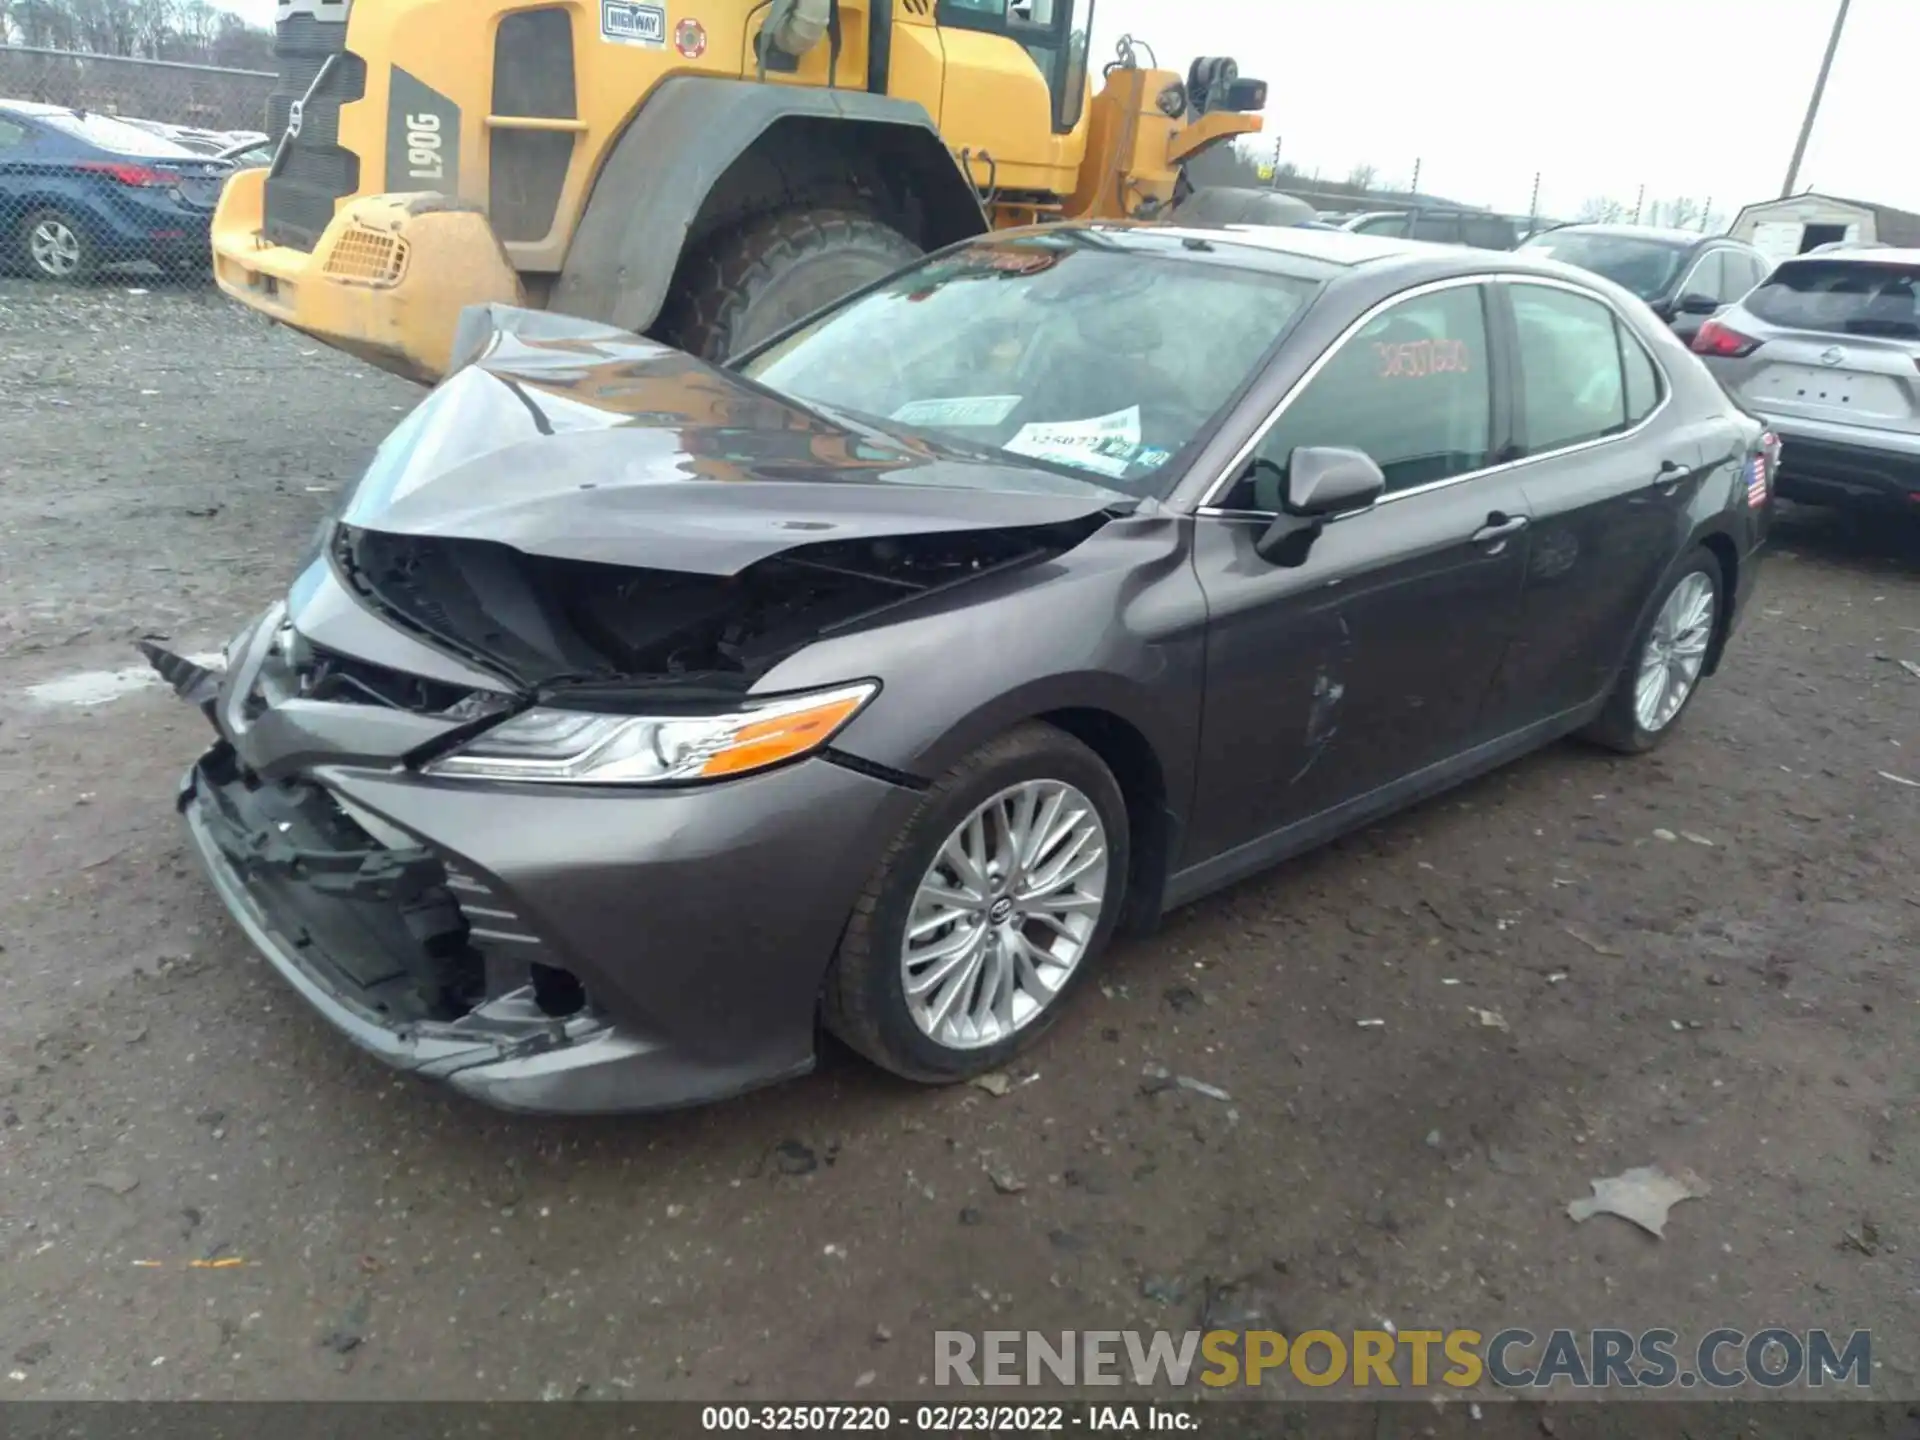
(1514, 1359)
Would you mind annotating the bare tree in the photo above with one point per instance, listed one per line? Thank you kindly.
(190, 30)
(1684, 213)
(1601, 209)
(1361, 177)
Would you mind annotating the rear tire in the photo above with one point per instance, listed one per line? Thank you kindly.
(54, 246)
(755, 281)
(865, 1000)
(1670, 633)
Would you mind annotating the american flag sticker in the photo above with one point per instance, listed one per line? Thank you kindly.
(1757, 480)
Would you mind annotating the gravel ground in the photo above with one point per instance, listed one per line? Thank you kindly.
(1702, 958)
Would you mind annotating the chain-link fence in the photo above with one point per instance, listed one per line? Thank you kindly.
(110, 164)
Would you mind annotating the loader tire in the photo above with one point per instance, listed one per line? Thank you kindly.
(755, 281)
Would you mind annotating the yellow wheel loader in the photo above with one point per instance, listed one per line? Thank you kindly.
(703, 171)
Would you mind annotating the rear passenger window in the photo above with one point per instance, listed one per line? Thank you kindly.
(1571, 387)
(1489, 232)
(1410, 389)
(1643, 381)
(1442, 228)
(1707, 279)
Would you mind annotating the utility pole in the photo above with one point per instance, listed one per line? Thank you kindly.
(1533, 205)
(1638, 202)
(1275, 185)
(1706, 211)
(1414, 188)
(1813, 101)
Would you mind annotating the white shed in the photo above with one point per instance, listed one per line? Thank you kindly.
(1781, 229)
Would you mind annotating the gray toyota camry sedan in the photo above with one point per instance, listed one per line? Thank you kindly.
(635, 719)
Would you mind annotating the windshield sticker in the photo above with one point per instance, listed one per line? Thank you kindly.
(957, 410)
(1415, 359)
(1108, 444)
(626, 23)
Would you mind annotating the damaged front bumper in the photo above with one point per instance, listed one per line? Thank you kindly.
(547, 949)
(342, 924)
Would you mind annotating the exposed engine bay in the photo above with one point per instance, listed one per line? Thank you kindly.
(545, 623)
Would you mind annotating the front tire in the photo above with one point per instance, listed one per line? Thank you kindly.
(986, 913)
(776, 270)
(1667, 661)
(55, 247)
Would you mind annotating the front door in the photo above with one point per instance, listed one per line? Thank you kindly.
(1371, 658)
(1608, 483)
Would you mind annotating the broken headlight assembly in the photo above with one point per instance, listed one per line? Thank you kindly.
(581, 747)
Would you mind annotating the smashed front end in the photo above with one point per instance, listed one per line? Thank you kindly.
(381, 811)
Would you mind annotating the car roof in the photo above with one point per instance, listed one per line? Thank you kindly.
(33, 107)
(1332, 247)
(1328, 254)
(1883, 255)
(1658, 234)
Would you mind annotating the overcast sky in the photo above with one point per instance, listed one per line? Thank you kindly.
(1697, 98)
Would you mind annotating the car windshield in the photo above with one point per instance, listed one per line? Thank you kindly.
(1101, 354)
(1847, 297)
(111, 134)
(1646, 267)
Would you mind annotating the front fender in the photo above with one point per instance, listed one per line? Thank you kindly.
(1115, 625)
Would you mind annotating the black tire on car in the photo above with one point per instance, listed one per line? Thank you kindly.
(865, 1001)
(1620, 724)
(54, 246)
(753, 282)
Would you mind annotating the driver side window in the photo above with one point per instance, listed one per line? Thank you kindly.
(1411, 389)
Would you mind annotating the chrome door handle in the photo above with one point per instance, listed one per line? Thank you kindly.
(1498, 527)
(1668, 480)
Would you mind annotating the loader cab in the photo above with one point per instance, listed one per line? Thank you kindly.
(1016, 87)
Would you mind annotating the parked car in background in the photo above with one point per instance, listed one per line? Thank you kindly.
(636, 716)
(254, 150)
(79, 190)
(1683, 276)
(187, 137)
(1481, 229)
(1827, 351)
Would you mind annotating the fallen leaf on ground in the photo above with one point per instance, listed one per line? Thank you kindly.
(994, 1082)
(1642, 1195)
(1491, 1019)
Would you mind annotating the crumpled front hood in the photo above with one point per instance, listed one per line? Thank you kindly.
(578, 441)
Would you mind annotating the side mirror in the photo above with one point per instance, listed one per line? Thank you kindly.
(1326, 480)
(1696, 304)
(1322, 481)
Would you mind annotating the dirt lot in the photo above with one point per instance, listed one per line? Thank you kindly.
(1703, 958)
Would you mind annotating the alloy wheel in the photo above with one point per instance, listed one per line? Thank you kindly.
(54, 247)
(1675, 651)
(1004, 914)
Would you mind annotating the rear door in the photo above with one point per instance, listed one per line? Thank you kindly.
(1839, 345)
(14, 144)
(1608, 481)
